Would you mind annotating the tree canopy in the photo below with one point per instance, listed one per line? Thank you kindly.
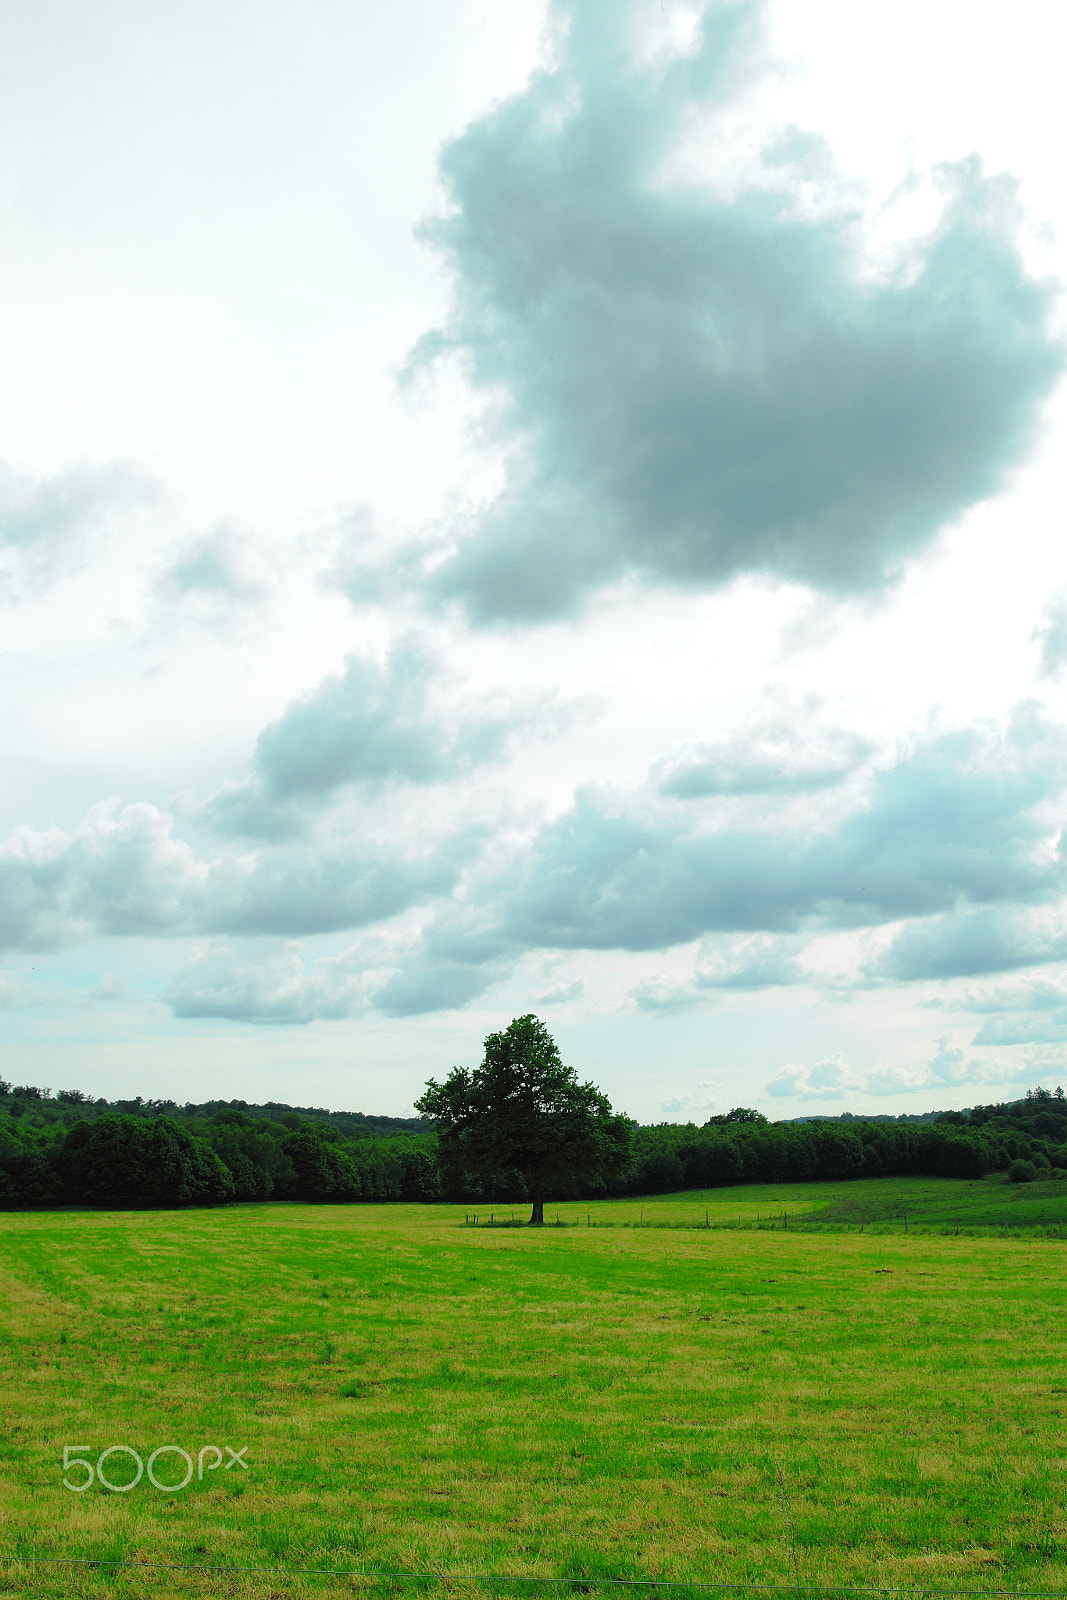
(524, 1111)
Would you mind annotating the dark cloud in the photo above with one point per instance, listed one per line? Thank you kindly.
(971, 941)
(442, 986)
(690, 387)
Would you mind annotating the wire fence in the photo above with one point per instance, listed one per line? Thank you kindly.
(583, 1583)
(787, 1222)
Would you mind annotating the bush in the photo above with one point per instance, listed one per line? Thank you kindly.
(1022, 1172)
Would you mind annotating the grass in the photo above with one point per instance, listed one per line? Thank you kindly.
(816, 1406)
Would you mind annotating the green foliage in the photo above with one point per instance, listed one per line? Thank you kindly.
(321, 1172)
(522, 1110)
(345, 1156)
(1022, 1172)
(128, 1161)
(27, 1177)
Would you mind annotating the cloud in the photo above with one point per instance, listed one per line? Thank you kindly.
(969, 941)
(957, 821)
(959, 842)
(377, 722)
(757, 961)
(211, 569)
(42, 520)
(834, 1079)
(1051, 634)
(273, 983)
(111, 987)
(1024, 1011)
(690, 387)
(561, 993)
(831, 1079)
(13, 991)
(267, 984)
(964, 827)
(778, 754)
(688, 1106)
(123, 872)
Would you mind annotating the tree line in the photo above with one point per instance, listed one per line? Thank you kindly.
(520, 1129)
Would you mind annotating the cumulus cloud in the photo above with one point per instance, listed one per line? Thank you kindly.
(969, 941)
(776, 754)
(958, 820)
(834, 1079)
(967, 819)
(267, 983)
(274, 983)
(123, 871)
(1022, 1011)
(689, 387)
(959, 842)
(759, 961)
(377, 722)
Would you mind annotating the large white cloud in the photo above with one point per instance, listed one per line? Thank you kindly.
(125, 872)
(691, 387)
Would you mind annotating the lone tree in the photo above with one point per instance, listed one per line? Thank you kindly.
(522, 1110)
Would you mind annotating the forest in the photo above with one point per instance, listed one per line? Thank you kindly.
(69, 1149)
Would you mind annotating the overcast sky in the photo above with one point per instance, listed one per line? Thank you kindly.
(508, 508)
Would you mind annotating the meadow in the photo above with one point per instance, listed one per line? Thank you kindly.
(830, 1402)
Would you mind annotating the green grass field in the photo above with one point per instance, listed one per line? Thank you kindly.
(639, 1397)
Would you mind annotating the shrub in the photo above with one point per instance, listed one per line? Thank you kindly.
(1022, 1172)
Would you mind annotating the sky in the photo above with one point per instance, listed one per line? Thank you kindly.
(511, 506)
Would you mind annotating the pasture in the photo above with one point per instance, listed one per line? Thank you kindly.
(745, 1402)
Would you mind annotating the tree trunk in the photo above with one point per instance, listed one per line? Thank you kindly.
(537, 1216)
